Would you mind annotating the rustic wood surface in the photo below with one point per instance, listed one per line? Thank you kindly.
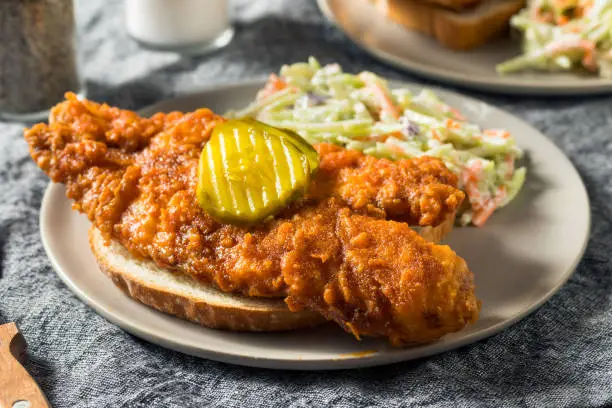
(17, 388)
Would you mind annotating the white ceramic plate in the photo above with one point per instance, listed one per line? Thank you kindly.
(520, 258)
(367, 26)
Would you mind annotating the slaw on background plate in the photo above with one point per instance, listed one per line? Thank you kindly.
(364, 24)
(564, 35)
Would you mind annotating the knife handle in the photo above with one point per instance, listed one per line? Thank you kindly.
(17, 388)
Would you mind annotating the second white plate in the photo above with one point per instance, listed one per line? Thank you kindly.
(366, 26)
(520, 258)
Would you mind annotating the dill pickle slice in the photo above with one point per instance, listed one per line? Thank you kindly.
(299, 142)
(249, 171)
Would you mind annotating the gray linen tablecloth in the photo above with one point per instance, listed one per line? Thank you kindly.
(560, 356)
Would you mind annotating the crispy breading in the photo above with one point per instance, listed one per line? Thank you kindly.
(336, 251)
(376, 277)
(420, 191)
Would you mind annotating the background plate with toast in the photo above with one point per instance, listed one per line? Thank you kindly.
(416, 50)
(520, 258)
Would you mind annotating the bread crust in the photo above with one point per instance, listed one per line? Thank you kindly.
(456, 5)
(437, 233)
(457, 30)
(274, 316)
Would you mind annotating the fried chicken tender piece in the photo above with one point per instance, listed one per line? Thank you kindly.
(420, 191)
(376, 277)
(336, 251)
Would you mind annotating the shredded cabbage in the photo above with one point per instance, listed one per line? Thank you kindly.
(325, 104)
(564, 35)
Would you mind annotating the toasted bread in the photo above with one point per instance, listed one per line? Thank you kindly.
(183, 297)
(452, 4)
(458, 30)
(437, 233)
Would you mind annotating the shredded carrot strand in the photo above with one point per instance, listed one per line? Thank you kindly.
(380, 138)
(456, 114)
(484, 211)
(510, 162)
(588, 60)
(396, 149)
(470, 178)
(562, 20)
(273, 85)
(482, 208)
(500, 195)
(482, 215)
(504, 134)
(384, 99)
(451, 124)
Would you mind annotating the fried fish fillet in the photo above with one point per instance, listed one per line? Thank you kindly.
(345, 250)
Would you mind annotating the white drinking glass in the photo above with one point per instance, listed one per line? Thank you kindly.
(191, 27)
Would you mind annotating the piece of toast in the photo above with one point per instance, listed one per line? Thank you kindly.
(456, 5)
(437, 233)
(183, 297)
(457, 30)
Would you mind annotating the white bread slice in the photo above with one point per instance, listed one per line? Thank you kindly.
(458, 30)
(181, 296)
(437, 233)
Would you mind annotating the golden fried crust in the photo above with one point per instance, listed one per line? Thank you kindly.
(377, 277)
(135, 180)
(419, 191)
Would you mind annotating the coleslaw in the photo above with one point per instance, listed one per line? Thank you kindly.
(564, 35)
(361, 112)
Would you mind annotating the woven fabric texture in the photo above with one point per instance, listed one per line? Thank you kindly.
(560, 356)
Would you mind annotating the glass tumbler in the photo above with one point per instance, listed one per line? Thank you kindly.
(191, 27)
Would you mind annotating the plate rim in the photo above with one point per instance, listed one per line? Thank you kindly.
(136, 328)
(503, 85)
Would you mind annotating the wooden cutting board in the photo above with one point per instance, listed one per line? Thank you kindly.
(17, 388)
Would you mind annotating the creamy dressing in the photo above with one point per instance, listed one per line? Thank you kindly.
(323, 104)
